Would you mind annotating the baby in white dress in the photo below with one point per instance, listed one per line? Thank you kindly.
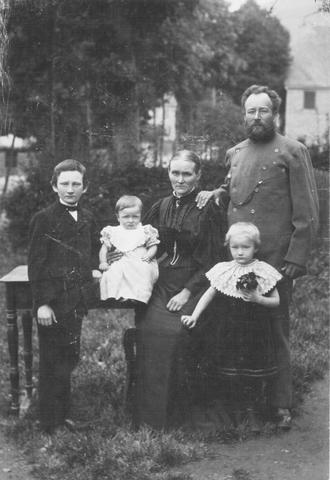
(133, 276)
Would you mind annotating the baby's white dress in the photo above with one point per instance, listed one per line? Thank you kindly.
(129, 277)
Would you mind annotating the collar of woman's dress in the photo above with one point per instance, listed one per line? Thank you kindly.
(179, 201)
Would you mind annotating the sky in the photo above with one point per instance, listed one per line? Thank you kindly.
(290, 12)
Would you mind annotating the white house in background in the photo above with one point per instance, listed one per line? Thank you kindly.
(307, 113)
(164, 117)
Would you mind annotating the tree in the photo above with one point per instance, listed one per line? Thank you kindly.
(262, 44)
(83, 73)
(217, 126)
(325, 6)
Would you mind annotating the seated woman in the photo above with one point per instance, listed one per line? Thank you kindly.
(191, 241)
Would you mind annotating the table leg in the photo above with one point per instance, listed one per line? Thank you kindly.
(12, 336)
(28, 356)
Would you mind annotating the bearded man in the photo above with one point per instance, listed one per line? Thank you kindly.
(270, 183)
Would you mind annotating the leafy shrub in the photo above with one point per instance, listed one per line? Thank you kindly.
(320, 156)
(310, 322)
(106, 185)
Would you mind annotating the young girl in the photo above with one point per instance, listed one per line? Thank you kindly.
(246, 288)
(132, 277)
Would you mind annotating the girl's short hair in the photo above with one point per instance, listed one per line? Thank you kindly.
(128, 201)
(244, 228)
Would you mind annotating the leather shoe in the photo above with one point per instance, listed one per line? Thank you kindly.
(253, 421)
(70, 425)
(284, 419)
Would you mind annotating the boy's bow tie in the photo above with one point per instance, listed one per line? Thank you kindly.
(70, 208)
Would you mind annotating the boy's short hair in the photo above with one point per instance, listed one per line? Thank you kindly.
(68, 165)
(244, 228)
(127, 201)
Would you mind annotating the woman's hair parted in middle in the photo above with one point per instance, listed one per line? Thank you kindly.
(244, 228)
(188, 156)
(128, 201)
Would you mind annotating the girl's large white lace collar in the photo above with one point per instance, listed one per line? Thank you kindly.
(224, 276)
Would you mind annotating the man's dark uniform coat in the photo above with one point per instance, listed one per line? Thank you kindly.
(60, 274)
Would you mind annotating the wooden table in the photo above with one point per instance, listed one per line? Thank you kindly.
(19, 297)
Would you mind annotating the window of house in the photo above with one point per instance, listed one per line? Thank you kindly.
(309, 99)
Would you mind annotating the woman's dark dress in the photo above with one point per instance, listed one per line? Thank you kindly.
(167, 353)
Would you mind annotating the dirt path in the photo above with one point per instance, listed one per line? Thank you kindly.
(301, 454)
(12, 465)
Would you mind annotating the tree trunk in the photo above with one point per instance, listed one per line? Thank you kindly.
(126, 131)
(126, 134)
(51, 79)
(89, 122)
(161, 139)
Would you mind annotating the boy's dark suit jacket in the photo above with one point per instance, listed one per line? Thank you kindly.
(62, 253)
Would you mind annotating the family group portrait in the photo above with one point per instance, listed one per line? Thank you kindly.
(164, 230)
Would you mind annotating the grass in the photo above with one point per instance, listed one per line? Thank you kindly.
(109, 449)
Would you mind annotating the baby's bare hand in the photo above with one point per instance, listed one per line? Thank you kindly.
(104, 266)
(146, 259)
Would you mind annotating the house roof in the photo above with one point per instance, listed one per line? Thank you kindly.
(311, 58)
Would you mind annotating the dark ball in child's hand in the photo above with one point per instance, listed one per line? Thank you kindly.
(248, 281)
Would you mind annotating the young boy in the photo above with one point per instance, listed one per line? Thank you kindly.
(62, 237)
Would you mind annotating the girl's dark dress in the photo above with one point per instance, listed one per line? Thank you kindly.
(167, 354)
(245, 343)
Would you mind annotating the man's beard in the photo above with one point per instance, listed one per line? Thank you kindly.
(259, 131)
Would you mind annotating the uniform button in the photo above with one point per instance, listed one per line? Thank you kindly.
(260, 182)
(274, 163)
(264, 168)
(237, 150)
(276, 150)
(234, 209)
(252, 211)
(256, 190)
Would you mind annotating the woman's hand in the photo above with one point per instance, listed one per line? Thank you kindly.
(188, 321)
(177, 302)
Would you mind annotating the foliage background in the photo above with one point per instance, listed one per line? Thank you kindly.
(85, 75)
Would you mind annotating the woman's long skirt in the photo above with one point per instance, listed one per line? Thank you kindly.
(167, 356)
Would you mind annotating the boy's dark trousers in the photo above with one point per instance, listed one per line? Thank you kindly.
(59, 348)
